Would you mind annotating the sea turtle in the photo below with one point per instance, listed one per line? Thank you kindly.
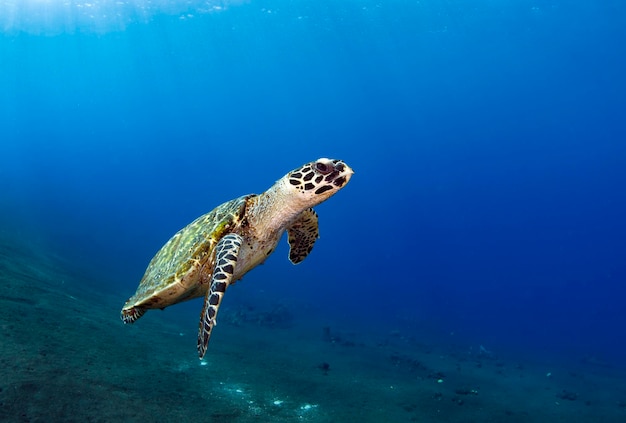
(218, 248)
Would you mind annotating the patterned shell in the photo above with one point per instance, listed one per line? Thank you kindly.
(175, 272)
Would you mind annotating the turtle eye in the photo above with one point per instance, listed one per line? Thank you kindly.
(322, 168)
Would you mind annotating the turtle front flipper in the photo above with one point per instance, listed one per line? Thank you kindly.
(302, 235)
(226, 252)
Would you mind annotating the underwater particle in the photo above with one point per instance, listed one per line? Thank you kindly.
(256, 410)
(307, 407)
(203, 363)
(439, 380)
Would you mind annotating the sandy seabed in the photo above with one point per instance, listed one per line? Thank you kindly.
(65, 356)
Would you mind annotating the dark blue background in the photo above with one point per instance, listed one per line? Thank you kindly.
(488, 140)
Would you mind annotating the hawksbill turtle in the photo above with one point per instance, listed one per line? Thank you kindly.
(218, 248)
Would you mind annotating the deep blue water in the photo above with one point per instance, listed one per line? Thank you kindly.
(488, 140)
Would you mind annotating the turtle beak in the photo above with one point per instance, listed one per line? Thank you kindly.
(345, 173)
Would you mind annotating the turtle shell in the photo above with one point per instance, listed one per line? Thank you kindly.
(181, 269)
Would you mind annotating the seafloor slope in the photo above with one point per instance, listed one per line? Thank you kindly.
(66, 356)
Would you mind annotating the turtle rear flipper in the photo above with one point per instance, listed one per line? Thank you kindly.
(130, 315)
(226, 252)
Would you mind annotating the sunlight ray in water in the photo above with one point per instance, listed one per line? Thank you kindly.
(69, 16)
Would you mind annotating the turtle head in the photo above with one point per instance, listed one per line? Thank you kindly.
(316, 181)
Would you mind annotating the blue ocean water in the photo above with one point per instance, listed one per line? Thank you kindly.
(488, 141)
